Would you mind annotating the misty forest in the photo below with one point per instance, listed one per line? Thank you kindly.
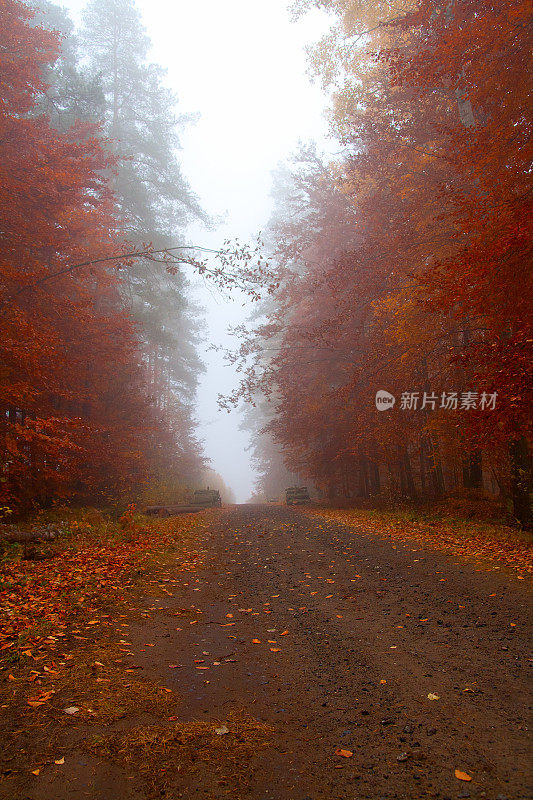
(265, 497)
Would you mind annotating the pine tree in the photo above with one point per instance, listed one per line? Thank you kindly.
(155, 201)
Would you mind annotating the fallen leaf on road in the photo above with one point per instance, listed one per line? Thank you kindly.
(343, 753)
(462, 776)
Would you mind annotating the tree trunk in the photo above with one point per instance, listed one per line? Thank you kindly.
(473, 470)
(521, 481)
(408, 472)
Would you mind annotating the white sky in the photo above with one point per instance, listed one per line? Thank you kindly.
(241, 64)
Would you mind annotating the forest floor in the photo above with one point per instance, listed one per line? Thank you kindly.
(281, 654)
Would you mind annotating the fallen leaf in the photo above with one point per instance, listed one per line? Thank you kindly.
(256, 641)
(221, 731)
(343, 753)
(60, 760)
(462, 776)
(71, 710)
(35, 771)
(432, 696)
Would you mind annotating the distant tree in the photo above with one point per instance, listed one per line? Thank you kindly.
(73, 91)
(154, 198)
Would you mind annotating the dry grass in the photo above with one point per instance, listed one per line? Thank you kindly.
(163, 754)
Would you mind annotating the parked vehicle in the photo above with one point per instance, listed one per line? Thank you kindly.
(297, 495)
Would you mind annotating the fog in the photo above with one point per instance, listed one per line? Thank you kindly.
(241, 65)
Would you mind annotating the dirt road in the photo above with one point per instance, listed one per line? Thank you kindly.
(413, 664)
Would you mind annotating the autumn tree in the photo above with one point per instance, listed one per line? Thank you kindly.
(154, 198)
(79, 418)
(425, 289)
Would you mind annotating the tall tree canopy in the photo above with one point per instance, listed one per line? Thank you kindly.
(406, 265)
(82, 412)
(155, 201)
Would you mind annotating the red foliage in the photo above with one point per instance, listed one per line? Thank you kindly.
(422, 281)
(78, 413)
